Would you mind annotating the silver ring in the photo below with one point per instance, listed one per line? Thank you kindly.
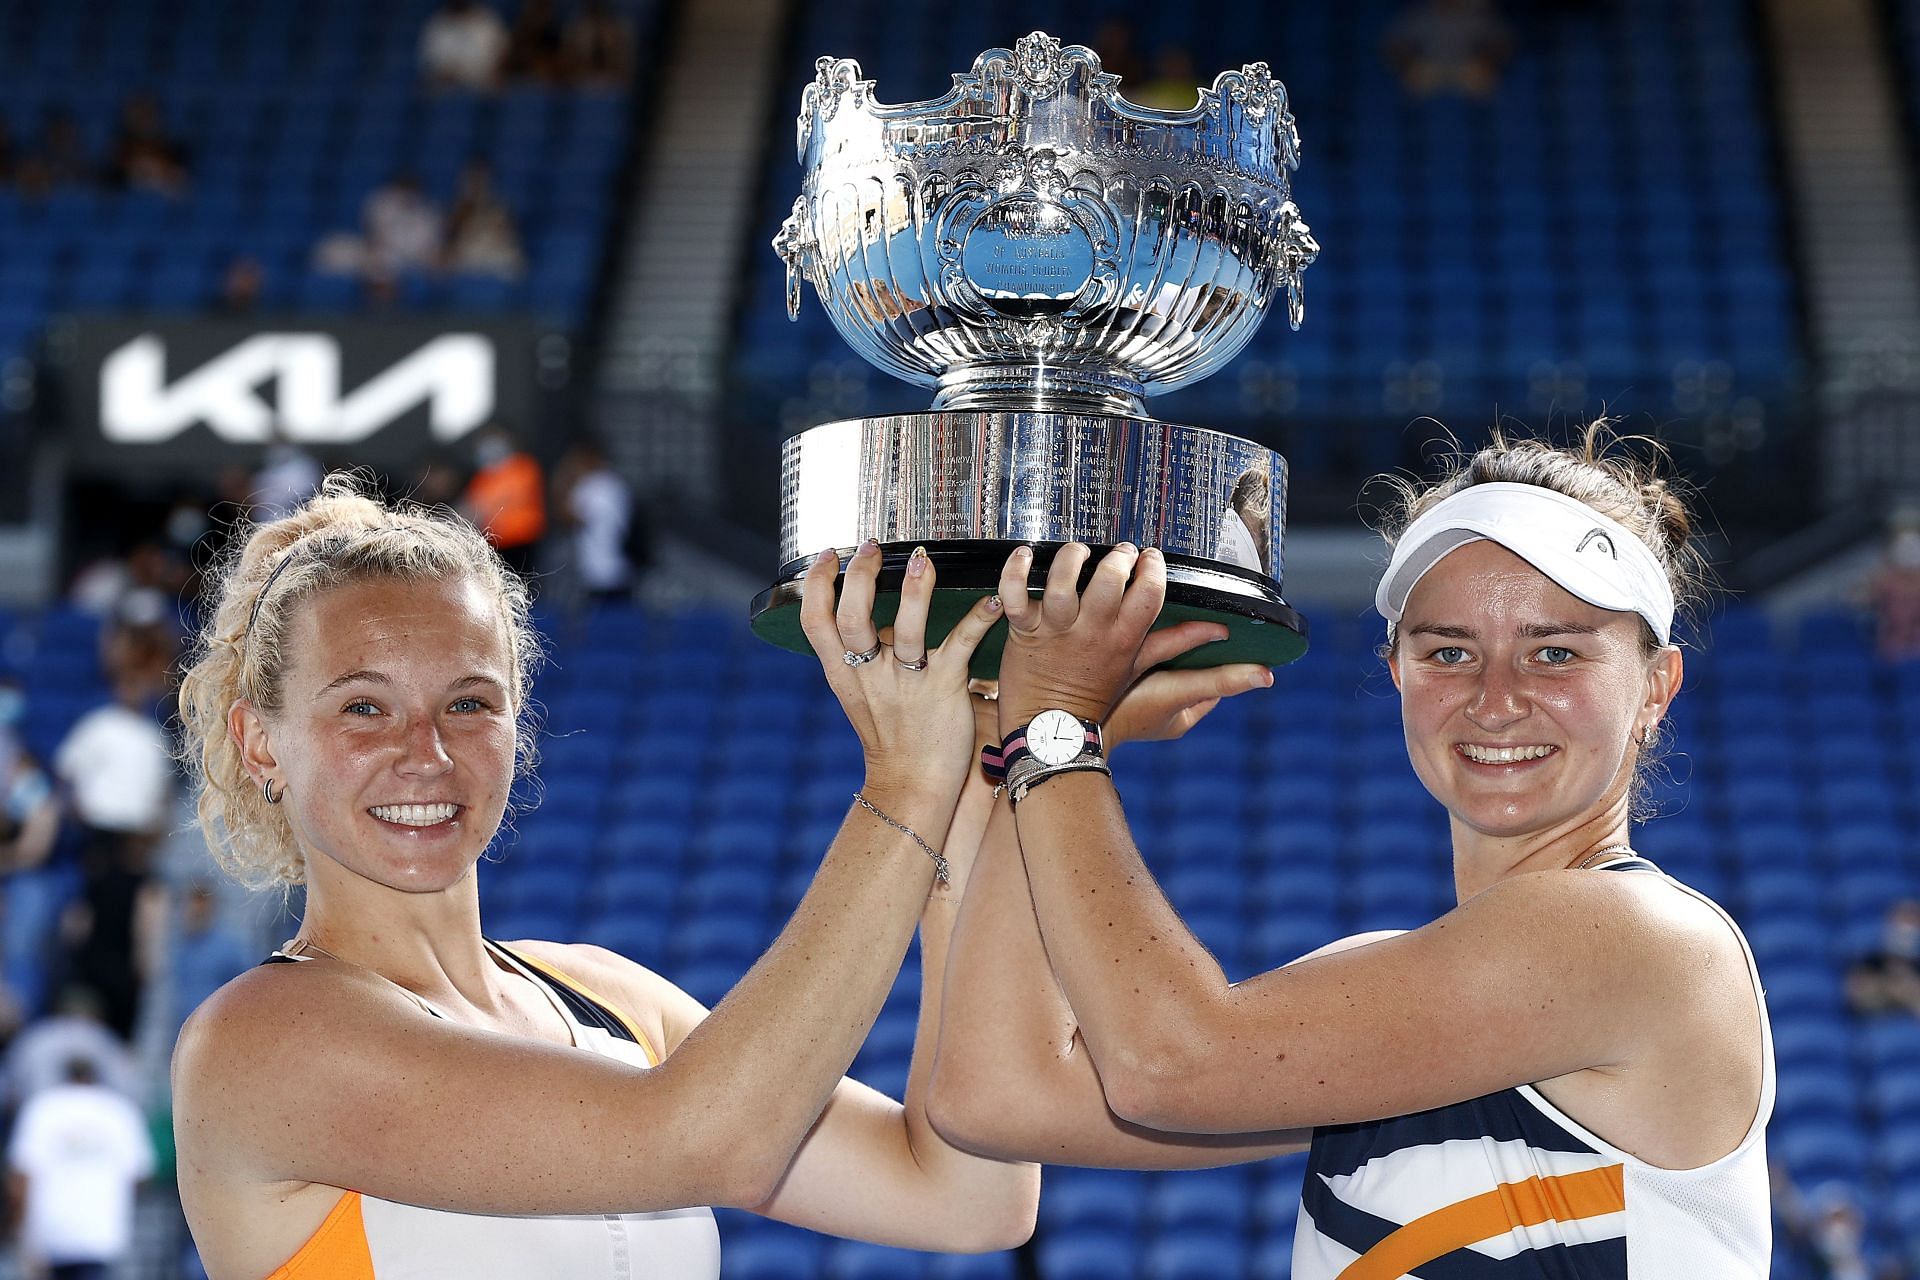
(853, 659)
(912, 666)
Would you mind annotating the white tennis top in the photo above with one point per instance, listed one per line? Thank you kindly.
(366, 1238)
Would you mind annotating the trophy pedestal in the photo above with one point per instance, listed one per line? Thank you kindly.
(971, 485)
(1261, 627)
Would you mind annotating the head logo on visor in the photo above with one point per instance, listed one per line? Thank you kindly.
(1589, 555)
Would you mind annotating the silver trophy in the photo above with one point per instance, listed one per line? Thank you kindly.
(1045, 255)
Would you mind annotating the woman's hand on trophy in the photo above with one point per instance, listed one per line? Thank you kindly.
(909, 705)
(1163, 705)
(1073, 650)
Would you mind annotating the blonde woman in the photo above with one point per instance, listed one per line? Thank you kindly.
(1569, 1075)
(399, 1095)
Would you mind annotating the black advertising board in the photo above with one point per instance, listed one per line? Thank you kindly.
(162, 398)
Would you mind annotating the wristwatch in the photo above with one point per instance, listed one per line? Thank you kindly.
(1053, 742)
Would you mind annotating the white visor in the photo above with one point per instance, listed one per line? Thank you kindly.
(1590, 556)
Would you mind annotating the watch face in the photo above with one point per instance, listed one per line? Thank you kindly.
(1055, 737)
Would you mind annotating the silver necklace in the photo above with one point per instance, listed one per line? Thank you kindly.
(1624, 849)
(305, 945)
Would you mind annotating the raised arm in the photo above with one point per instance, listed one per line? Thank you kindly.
(875, 1169)
(1013, 1077)
(326, 1073)
(1522, 983)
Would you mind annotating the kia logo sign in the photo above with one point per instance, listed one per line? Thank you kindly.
(154, 401)
(452, 375)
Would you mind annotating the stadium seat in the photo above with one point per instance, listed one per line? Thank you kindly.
(1083, 1255)
(1195, 1255)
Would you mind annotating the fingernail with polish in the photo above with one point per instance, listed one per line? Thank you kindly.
(994, 604)
(870, 545)
(917, 562)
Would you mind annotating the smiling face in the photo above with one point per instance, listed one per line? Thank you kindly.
(394, 744)
(1522, 703)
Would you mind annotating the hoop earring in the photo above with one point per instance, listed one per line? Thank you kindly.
(266, 790)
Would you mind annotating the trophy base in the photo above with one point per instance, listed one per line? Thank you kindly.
(1261, 627)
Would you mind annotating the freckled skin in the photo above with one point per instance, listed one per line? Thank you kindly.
(419, 734)
(1581, 694)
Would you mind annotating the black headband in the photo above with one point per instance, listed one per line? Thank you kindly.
(253, 615)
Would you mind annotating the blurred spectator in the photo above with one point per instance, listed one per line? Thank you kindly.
(481, 237)
(1888, 980)
(240, 287)
(401, 231)
(595, 502)
(203, 956)
(76, 1155)
(1823, 1232)
(145, 157)
(59, 160)
(1895, 594)
(1172, 87)
(534, 45)
(29, 811)
(598, 46)
(104, 586)
(404, 228)
(40, 1053)
(507, 497)
(287, 477)
(462, 46)
(1449, 46)
(118, 773)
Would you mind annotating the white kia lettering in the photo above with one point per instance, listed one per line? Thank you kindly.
(452, 375)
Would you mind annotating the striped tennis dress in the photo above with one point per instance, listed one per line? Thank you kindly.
(1506, 1187)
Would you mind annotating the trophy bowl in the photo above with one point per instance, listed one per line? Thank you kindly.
(1044, 255)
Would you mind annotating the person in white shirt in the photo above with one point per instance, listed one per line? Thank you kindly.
(114, 761)
(597, 503)
(77, 1153)
(462, 45)
(118, 773)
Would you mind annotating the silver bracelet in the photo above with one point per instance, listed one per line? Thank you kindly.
(939, 859)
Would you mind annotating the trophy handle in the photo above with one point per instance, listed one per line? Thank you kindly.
(796, 248)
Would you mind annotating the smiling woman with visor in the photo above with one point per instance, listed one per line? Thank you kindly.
(1568, 1075)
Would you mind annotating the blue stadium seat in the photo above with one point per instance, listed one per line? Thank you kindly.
(730, 939)
(1195, 1255)
(971, 1266)
(1081, 1255)
(1820, 1152)
(1092, 1201)
(789, 1255)
(1217, 1201)
(853, 1260)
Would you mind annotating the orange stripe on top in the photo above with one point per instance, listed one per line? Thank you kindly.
(626, 1019)
(1568, 1197)
(336, 1251)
